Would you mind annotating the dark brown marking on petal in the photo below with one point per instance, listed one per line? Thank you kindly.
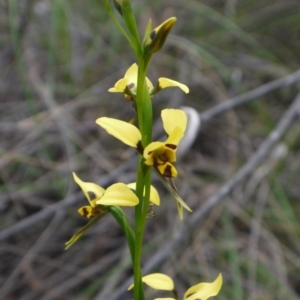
(152, 34)
(92, 195)
(171, 146)
(167, 171)
(130, 85)
(97, 210)
(163, 157)
(85, 212)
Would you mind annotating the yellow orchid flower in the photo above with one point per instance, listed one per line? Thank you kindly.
(201, 291)
(118, 194)
(161, 155)
(128, 84)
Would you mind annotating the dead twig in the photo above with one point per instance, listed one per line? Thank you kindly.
(253, 94)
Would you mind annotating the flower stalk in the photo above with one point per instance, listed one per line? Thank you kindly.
(161, 156)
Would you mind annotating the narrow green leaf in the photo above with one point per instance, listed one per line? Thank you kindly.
(123, 221)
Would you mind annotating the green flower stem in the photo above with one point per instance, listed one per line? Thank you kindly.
(144, 116)
(135, 46)
(138, 287)
(144, 113)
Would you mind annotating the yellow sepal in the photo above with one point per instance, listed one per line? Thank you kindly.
(164, 83)
(157, 281)
(204, 290)
(123, 131)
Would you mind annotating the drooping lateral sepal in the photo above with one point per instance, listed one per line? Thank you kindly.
(83, 230)
(170, 186)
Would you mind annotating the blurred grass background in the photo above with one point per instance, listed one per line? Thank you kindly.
(58, 58)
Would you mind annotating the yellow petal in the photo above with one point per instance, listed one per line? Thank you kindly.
(123, 131)
(120, 86)
(164, 83)
(174, 138)
(132, 73)
(152, 147)
(158, 281)
(204, 290)
(173, 118)
(154, 196)
(167, 170)
(91, 190)
(119, 194)
(149, 84)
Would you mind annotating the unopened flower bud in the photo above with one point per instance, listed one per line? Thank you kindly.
(157, 36)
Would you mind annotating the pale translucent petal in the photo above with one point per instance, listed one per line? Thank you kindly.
(119, 194)
(131, 77)
(132, 73)
(166, 82)
(91, 190)
(158, 281)
(204, 290)
(149, 84)
(123, 131)
(154, 196)
(173, 118)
